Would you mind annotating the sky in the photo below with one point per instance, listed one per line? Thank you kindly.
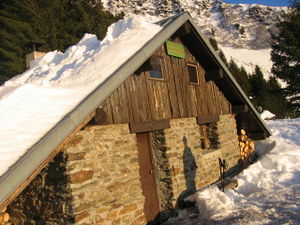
(263, 2)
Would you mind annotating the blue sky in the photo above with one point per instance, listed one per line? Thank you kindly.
(263, 2)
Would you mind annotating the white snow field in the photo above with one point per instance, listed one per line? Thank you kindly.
(33, 102)
(249, 58)
(268, 191)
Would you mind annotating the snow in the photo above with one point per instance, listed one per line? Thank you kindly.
(266, 115)
(33, 102)
(268, 191)
(249, 58)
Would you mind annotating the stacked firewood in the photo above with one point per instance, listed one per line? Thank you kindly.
(4, 217)
(246, 147)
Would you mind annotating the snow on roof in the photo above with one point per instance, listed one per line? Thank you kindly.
(36, 100)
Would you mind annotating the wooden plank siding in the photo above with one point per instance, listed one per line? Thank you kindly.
(140, 98)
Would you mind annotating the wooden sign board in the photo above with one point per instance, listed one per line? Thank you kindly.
(175, 49)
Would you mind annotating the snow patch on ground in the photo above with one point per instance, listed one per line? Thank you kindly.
(33, 102)
(268, 191)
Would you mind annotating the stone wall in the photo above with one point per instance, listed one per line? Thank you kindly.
(47, 199)
(104, 176)
(191, 166)
(94, 180)
(162, 170)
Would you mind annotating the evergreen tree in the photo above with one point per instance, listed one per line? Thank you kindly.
(223, 58)
(286, 55)
(277, 102)
(57, 23)
(241, 76)
(214, 44)
(259, 89)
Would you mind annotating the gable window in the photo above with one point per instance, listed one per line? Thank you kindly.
(155, 71)
(193, 73)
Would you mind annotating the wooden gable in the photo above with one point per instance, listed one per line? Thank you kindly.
(140, 98)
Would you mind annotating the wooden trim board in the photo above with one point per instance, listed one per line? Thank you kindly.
(146, 126)
(207, 119)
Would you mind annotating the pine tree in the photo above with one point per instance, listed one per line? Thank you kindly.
(223, 58)
(214, 43)
(259, 89)
(277, 102)
(240, 76)
(286, 55)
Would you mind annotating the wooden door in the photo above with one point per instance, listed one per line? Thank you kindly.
(151, 205)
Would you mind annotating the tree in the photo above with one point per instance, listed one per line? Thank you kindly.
(277, 102)
(240, 75)
(214, 44)
(286, 55)
(259, 90)
(223, 58)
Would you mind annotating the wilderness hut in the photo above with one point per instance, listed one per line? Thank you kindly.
(151, 133)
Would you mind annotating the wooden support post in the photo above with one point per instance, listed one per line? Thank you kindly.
(207, 119)
(214, 74)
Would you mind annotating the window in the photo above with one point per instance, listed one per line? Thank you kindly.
(210, 137)
(193, 73)
(155, 71)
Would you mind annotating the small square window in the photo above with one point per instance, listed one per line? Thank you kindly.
(193, 73)
(210, 137)
(156, 68)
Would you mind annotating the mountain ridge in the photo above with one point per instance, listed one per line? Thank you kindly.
(235, 25)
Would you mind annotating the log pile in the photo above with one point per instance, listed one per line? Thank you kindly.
(4, 217)
(246, 147)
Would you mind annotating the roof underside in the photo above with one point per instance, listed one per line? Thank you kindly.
(198, 46)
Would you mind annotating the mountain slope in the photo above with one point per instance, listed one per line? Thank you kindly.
(240, 25)
(234, 26)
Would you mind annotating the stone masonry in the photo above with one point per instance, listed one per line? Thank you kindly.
(191, 166)
(95, 178)
(104, 176)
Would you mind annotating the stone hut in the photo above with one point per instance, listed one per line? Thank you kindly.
(154, 133)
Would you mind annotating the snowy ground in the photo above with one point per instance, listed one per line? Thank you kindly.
(268, 192)
(249, 58)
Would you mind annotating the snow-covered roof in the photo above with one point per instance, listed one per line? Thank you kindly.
(40, 108)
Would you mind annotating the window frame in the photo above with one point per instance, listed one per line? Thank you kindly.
(197, 73)
(162, 61)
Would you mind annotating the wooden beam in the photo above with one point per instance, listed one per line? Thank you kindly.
(207, 119)
(27, 181)
(146, 126)
(237, 109)
(214, 74)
